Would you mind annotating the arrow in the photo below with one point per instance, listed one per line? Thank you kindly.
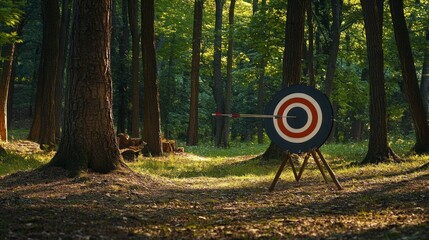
(241, 115)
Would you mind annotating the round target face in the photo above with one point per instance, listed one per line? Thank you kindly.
(302, 118)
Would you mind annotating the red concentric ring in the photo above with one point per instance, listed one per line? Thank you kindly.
(305, 132)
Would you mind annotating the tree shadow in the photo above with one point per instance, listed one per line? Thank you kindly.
(48, 204)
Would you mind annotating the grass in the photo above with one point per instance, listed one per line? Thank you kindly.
(218, 193)
(239, 162)
(14, 162)
(16, 134)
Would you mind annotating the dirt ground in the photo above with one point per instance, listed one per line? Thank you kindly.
(46, 204)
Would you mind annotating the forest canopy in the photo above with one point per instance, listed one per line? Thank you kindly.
(258, 35)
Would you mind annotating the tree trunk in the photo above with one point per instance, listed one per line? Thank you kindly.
(337, 6)
(254, 6)
(59, 89)
(217, 75)
(88, 139)
(123, 71)
(378, 149)
(310, 52)
(424, 84)
(195, 73)
(261, 99)
(418, 113)
(6, 73)
(152, 121)
(134, 27)
(262, 64)
(43, 128)
(294, 40)
(11, 92)
(228, 84)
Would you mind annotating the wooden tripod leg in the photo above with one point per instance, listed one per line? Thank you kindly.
(304, 164)
(313, 153)
(279, 172)
(293, 167)
(328, 168)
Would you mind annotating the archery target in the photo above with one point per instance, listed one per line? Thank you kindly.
(303, 118)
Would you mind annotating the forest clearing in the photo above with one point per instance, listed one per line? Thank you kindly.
(97, 98)
(200, 196)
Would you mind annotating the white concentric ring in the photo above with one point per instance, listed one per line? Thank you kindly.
(309, 118)
(306, 125)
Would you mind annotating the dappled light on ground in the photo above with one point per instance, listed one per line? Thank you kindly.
(187, 196)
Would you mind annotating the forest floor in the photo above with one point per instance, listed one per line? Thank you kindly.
(46, 204)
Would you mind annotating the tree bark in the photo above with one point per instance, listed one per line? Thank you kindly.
(195, 73)
(123, 70)
(418, 113)
(152, 121)
(59, 89)
(378, 149)
(294, 41)
(88, 139)
(11, 92)
(424, 83)
(43, 127)
(228, 84)
(310, 52)
(292, 55)
(262, 64)
(261, 99)
(337, 6)
(217, 75)
(134, 27)
(6, 73)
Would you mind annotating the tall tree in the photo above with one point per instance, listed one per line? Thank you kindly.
(135, 36)
(88, 139)
(294, 42)
(228, 83)
(218, 85)
(378, 149)
(192, 139)
(152, 121)
(59, 90)
(424, 83)
(8, 55)
(418, 112)
(43, 127)
(261, 77)
(123, 78)
(337, 9)
(334, 44)
(310, 51)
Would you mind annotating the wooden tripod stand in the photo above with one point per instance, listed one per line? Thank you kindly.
(317, 156)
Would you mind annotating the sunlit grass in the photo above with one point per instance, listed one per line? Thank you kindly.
(235, 149)
(22, 156)
(190, 165)
(14, 162)
(241, 165)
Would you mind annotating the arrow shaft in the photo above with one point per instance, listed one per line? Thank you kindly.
(246, 115)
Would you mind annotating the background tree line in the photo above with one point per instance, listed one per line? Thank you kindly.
(241, 64)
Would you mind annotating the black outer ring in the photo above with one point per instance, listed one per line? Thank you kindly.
(325, 129)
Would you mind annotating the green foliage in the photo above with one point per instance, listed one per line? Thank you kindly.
(258, 38)
(10, 16)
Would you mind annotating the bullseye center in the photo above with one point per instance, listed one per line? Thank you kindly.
(300, 118)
